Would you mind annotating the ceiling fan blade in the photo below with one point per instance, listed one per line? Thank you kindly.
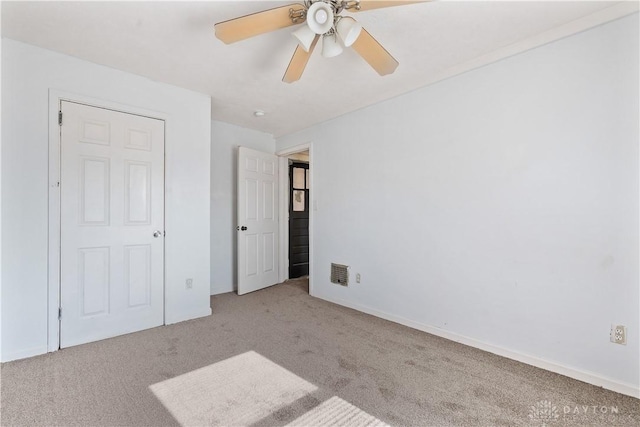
(299, 62)
(373, 52)
(376, 4)
(237, 29)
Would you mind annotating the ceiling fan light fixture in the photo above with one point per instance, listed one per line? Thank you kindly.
(331, 46)
(305, 37)
(348, 29)
(320, 17)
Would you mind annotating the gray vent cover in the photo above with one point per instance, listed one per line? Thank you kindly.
(340, 274)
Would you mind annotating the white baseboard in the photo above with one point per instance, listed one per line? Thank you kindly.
(587, 377)
(36, 351)
(23, 354)
(222, 289)
(204, 312)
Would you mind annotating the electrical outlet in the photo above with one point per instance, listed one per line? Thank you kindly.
(189, 283)
(357, 277)
(618, 334)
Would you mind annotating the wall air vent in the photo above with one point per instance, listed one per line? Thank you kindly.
(340, 274)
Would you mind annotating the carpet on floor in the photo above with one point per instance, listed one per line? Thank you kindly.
(280, 357)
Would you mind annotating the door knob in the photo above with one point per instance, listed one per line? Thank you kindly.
(157, 233)
(243, 228)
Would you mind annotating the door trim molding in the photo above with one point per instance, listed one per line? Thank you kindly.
(53, 235)
(284, 210)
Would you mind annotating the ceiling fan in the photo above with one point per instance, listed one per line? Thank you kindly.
(323, 19)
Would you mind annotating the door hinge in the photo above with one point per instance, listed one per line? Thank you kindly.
(59, 118)
(59, 313)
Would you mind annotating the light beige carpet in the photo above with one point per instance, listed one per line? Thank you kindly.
(240, 390)
(336, 412)
(320, 361)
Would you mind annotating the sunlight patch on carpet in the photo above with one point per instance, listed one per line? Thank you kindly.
(336, 412)
(237, 391)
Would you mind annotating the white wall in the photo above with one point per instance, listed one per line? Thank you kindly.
(0, 210)
(225, 140)
(28, 73)
(498, 207)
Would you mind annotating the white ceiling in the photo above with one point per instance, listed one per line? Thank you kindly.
(173, 42)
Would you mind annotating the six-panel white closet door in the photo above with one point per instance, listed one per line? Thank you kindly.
(112, 223)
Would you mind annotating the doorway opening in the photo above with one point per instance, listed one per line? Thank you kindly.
(297, 217)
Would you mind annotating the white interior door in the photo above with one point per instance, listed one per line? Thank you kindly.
(257, 220)
(112, 222)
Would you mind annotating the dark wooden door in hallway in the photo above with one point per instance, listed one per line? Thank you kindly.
(298, 220)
